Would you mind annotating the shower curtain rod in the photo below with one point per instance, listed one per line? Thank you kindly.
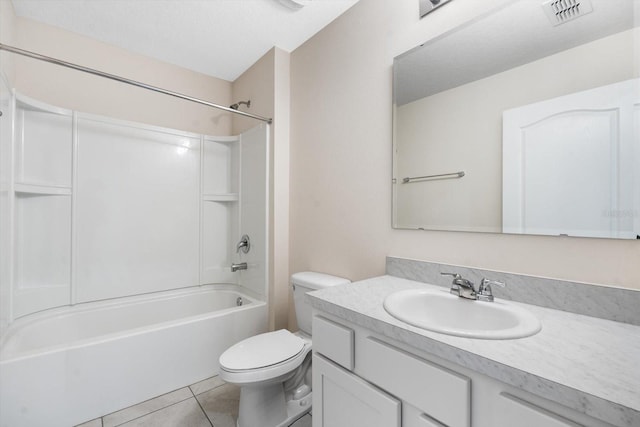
(127, 81)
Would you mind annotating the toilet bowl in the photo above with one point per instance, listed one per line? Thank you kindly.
(273, 369)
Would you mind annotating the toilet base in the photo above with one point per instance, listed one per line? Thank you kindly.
(296, 409)
(265, 406)
(262, 405)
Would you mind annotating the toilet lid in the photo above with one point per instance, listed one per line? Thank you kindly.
(262, 350)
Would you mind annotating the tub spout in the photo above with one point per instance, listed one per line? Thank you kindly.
(240, 266)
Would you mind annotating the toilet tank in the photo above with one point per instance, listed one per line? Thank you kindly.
(305, 282)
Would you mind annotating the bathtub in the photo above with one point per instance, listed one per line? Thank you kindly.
(69, 365)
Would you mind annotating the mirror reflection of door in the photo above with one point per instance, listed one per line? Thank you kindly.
(568, 164)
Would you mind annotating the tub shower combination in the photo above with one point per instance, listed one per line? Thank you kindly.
(116, 277)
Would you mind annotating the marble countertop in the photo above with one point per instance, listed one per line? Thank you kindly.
(585, 363)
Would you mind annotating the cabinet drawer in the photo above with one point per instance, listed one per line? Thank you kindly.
(334, 341)
(341, 399)
(440, 393)
(515, 411)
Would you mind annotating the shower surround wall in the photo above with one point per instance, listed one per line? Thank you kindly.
(117, 240)
(130, 208)
(73, 90)
(5, 176)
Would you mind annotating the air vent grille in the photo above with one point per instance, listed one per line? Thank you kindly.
(561, 11)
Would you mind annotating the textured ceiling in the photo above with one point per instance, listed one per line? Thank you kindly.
(510, 36)
(221, 38)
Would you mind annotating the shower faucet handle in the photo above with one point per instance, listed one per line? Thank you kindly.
(244, 244)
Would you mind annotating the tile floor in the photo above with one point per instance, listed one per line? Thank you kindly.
(211, 402)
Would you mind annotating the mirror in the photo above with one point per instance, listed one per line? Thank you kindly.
(525, 120)
(428, 6)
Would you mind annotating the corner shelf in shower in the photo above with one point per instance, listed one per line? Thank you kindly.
(225, 197)
(44, 190)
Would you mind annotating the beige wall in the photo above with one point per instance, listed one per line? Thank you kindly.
(461, 129)
(79, 91)
(266, 83)
(7, 18)
(279, 279)
(341, 163)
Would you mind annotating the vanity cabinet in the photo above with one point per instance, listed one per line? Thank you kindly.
(345, 400)
(370, 391)
(377, 381)
(340, 398)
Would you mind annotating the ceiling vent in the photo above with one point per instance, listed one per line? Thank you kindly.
(561, 11)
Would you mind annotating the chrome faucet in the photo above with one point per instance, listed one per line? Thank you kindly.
(464, 288)
(240, 266)
(461, 287)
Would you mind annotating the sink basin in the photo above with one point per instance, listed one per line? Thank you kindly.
(442, 312)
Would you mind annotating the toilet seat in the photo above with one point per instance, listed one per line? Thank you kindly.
(263, 357)
(261, 351)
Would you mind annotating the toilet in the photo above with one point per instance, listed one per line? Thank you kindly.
(273, 369)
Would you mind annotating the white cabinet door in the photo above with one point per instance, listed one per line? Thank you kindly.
(425, 420)
(340, 399)
(442, 394)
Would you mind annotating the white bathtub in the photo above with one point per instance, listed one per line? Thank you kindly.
(69, 365)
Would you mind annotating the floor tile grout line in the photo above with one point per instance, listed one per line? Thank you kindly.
(148, 400)
(203, 411)
(159, 409)
(207, 390)
(193, 394)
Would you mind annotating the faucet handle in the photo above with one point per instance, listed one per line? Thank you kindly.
(489, 282)
(484, 291)
(458, 280)
(244, 244)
